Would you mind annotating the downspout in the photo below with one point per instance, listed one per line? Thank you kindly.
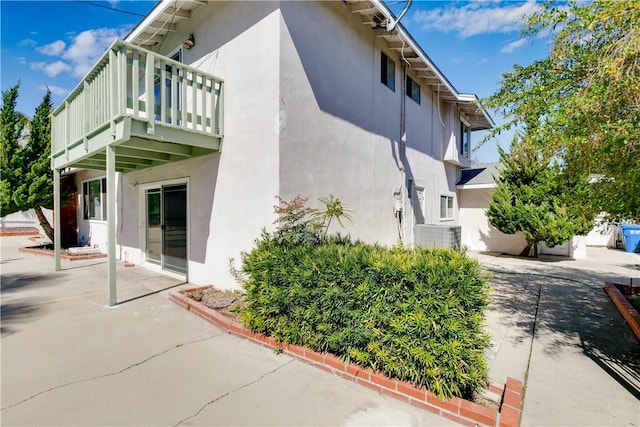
(402, 148)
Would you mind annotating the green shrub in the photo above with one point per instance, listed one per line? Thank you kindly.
(412, 314)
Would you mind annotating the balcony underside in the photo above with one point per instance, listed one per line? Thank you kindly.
(137, 146)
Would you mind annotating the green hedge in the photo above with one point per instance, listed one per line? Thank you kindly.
(412, 314)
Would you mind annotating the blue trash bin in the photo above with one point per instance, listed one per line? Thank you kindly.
(631, 233)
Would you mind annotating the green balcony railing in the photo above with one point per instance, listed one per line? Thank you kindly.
(135, 82)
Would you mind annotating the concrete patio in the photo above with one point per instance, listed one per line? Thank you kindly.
(69, 359)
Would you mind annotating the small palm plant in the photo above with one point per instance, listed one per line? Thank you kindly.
(333, 208)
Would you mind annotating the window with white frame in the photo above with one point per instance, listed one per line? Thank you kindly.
(94, 197)
(446, 208)
(387, 72)
(465, 139)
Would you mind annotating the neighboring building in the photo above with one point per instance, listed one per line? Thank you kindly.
(475, 190)
(316, 97)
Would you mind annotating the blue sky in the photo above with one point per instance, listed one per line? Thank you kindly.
(54, 43)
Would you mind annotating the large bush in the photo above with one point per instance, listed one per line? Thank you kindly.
(413, 314)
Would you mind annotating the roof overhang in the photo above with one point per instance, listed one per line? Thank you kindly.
(162, 20)
(167, 13)
(376, 14)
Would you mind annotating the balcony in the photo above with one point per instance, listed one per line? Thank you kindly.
(150, 109)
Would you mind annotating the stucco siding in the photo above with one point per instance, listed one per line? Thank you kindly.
(477, 233)
(341, 127)
(230, 193)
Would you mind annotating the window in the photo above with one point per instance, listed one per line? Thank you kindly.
(388, 72)
(413, 90)
(94, 196)
(446, 207)
(465, 139)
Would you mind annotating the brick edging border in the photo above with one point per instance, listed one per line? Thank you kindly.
(19, 233)
(459, 410)
(629, 313)
(62, 256)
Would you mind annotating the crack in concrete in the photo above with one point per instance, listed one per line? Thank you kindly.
(110, 374)
(231, 392)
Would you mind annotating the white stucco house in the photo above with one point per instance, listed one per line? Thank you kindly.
(182, 134)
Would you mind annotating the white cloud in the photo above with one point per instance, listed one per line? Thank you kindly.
(51, 69)
(88, 46)
(52, 49)
(476, 17)
(27, 42)
(513, 46)
(56, 90)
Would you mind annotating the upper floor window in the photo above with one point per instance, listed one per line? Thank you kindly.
(94, 197)
(388, 72)
(413, 89)
(465, 139)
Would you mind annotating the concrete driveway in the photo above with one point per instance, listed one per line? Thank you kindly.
(67, 359)
(552, 324)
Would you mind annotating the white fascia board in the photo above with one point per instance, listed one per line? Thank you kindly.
(472, 98)
(403, 33)
(143, 25)
(475, 186)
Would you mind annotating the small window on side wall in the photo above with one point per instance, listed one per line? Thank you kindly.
(446, 208)
(413, 90)
(388, 72)
(465, 139)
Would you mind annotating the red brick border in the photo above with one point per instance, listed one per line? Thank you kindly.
(19, 231)
(459, 410)
(629, 313)
(62, 256)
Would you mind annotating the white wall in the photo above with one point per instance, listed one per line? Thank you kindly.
(231, 194)
(602, 234)
(298, 120)
(91, 232)
(341, 127)
(26, 219)
(477, 233)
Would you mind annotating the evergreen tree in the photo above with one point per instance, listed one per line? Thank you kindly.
(12, 124)
(37, 188)
(536, 197)
(27, 178)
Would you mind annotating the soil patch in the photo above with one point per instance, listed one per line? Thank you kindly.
(225, 302)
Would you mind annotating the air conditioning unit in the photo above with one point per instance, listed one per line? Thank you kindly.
(439, 236)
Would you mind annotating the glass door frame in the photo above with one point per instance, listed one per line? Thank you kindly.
(142, 221)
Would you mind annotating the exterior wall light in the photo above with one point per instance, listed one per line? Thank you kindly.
(189, 43)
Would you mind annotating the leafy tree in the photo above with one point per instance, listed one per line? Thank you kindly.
(581, 104)
(536, 197)
(27, 178)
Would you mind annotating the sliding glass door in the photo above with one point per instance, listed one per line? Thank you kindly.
(166, 227)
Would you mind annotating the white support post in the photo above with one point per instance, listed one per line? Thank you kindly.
(150, 96)
(111, 222)
(56, 217)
